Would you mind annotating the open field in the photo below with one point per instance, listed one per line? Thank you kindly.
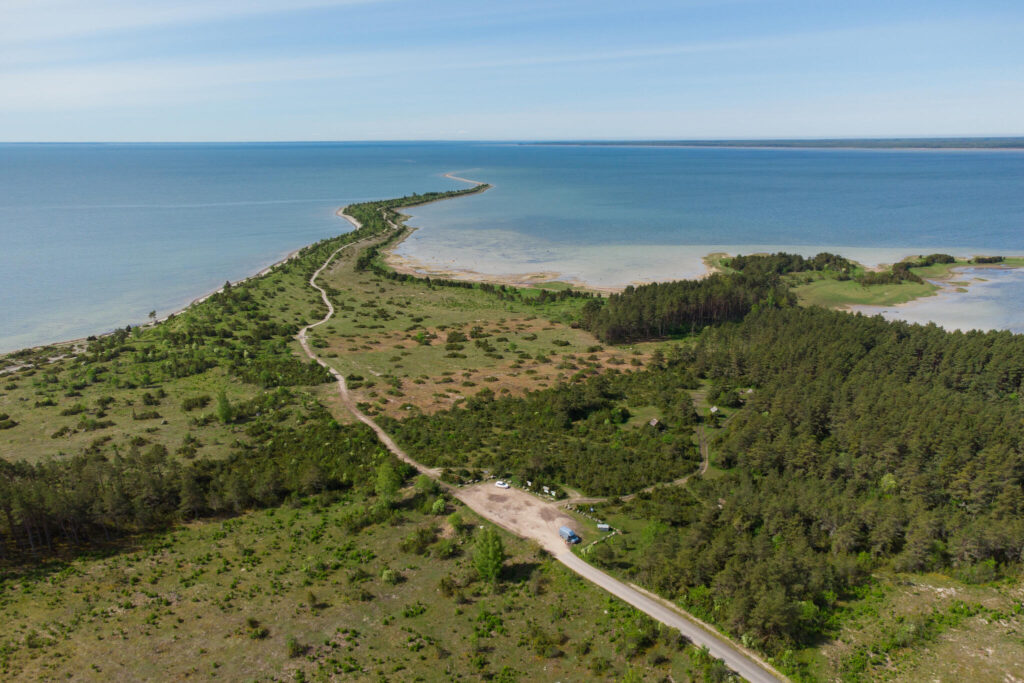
(914, 627)
(815, 289)
(832, 293)
(415, 346)
(831, 289)
(55, 419)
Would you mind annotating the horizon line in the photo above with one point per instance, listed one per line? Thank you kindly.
(621, 140)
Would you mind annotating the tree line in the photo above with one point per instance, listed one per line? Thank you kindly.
(92, 498)
(672, 308)
(781, 263)
(577, 434)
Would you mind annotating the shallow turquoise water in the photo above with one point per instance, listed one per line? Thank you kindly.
(95, 236)
(992, 302)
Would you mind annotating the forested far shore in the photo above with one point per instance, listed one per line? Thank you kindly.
(824, 143)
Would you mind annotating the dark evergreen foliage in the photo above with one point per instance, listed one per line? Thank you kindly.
(781, 263)
(572, 434)
(864, 442)
(92, 497)
(668, 308)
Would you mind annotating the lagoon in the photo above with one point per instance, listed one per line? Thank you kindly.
(96, 236)
(993, 299)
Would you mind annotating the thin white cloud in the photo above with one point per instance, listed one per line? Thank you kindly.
(154, 82)
(34, 20)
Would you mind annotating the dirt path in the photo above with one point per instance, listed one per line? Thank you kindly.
(346, 398)
(526, 515)
(705, 460)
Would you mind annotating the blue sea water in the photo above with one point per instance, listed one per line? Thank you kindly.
(93, 237)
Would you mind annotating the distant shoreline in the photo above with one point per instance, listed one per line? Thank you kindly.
(1006, 144)
(404, 264)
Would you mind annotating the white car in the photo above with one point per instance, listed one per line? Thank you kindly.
(501, 484)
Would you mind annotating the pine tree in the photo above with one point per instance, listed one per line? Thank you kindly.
(388, 482)
(489, 556)
(225, 411)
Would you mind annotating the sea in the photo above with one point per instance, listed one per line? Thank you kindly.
(95, 236)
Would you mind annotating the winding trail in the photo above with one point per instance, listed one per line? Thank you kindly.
(346, 398)
(529, 517)
(705, 460)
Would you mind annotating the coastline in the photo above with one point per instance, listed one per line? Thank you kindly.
(410, 266)
(505, 257)
(78, 342)
(946, 283)
(710, 263)
(444, 259)
(75, 343)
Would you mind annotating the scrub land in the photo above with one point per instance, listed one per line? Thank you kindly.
(191, 495)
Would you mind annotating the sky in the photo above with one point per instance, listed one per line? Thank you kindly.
(206, 70)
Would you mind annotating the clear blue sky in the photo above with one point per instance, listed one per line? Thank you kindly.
(514, 69)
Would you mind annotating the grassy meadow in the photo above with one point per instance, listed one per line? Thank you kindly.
(297, 593)
(413, 345)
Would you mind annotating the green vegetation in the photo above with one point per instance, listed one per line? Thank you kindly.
(782, 263)
(577, 434)
(831, 281)
(210, 414)
(489, 556)
(821, 484)
(410, 344)
(299, 592)
(189, 496)
(670, 308)
(832, 293)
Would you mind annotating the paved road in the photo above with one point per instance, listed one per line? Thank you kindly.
(526, 515)
(740, 661)
(530, 517)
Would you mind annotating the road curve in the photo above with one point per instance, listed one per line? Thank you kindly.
(743, 662)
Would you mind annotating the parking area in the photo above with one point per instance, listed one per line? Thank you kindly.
(520, 512)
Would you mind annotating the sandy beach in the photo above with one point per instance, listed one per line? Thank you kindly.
(510, 258)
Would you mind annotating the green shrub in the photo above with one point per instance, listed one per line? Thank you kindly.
(195, 402)
(294, 648)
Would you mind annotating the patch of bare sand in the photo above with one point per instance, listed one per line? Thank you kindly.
(520, 512)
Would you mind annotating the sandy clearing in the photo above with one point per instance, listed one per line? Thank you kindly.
(520, 512)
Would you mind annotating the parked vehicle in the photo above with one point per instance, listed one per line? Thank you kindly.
(568, 535)
(501, 484)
